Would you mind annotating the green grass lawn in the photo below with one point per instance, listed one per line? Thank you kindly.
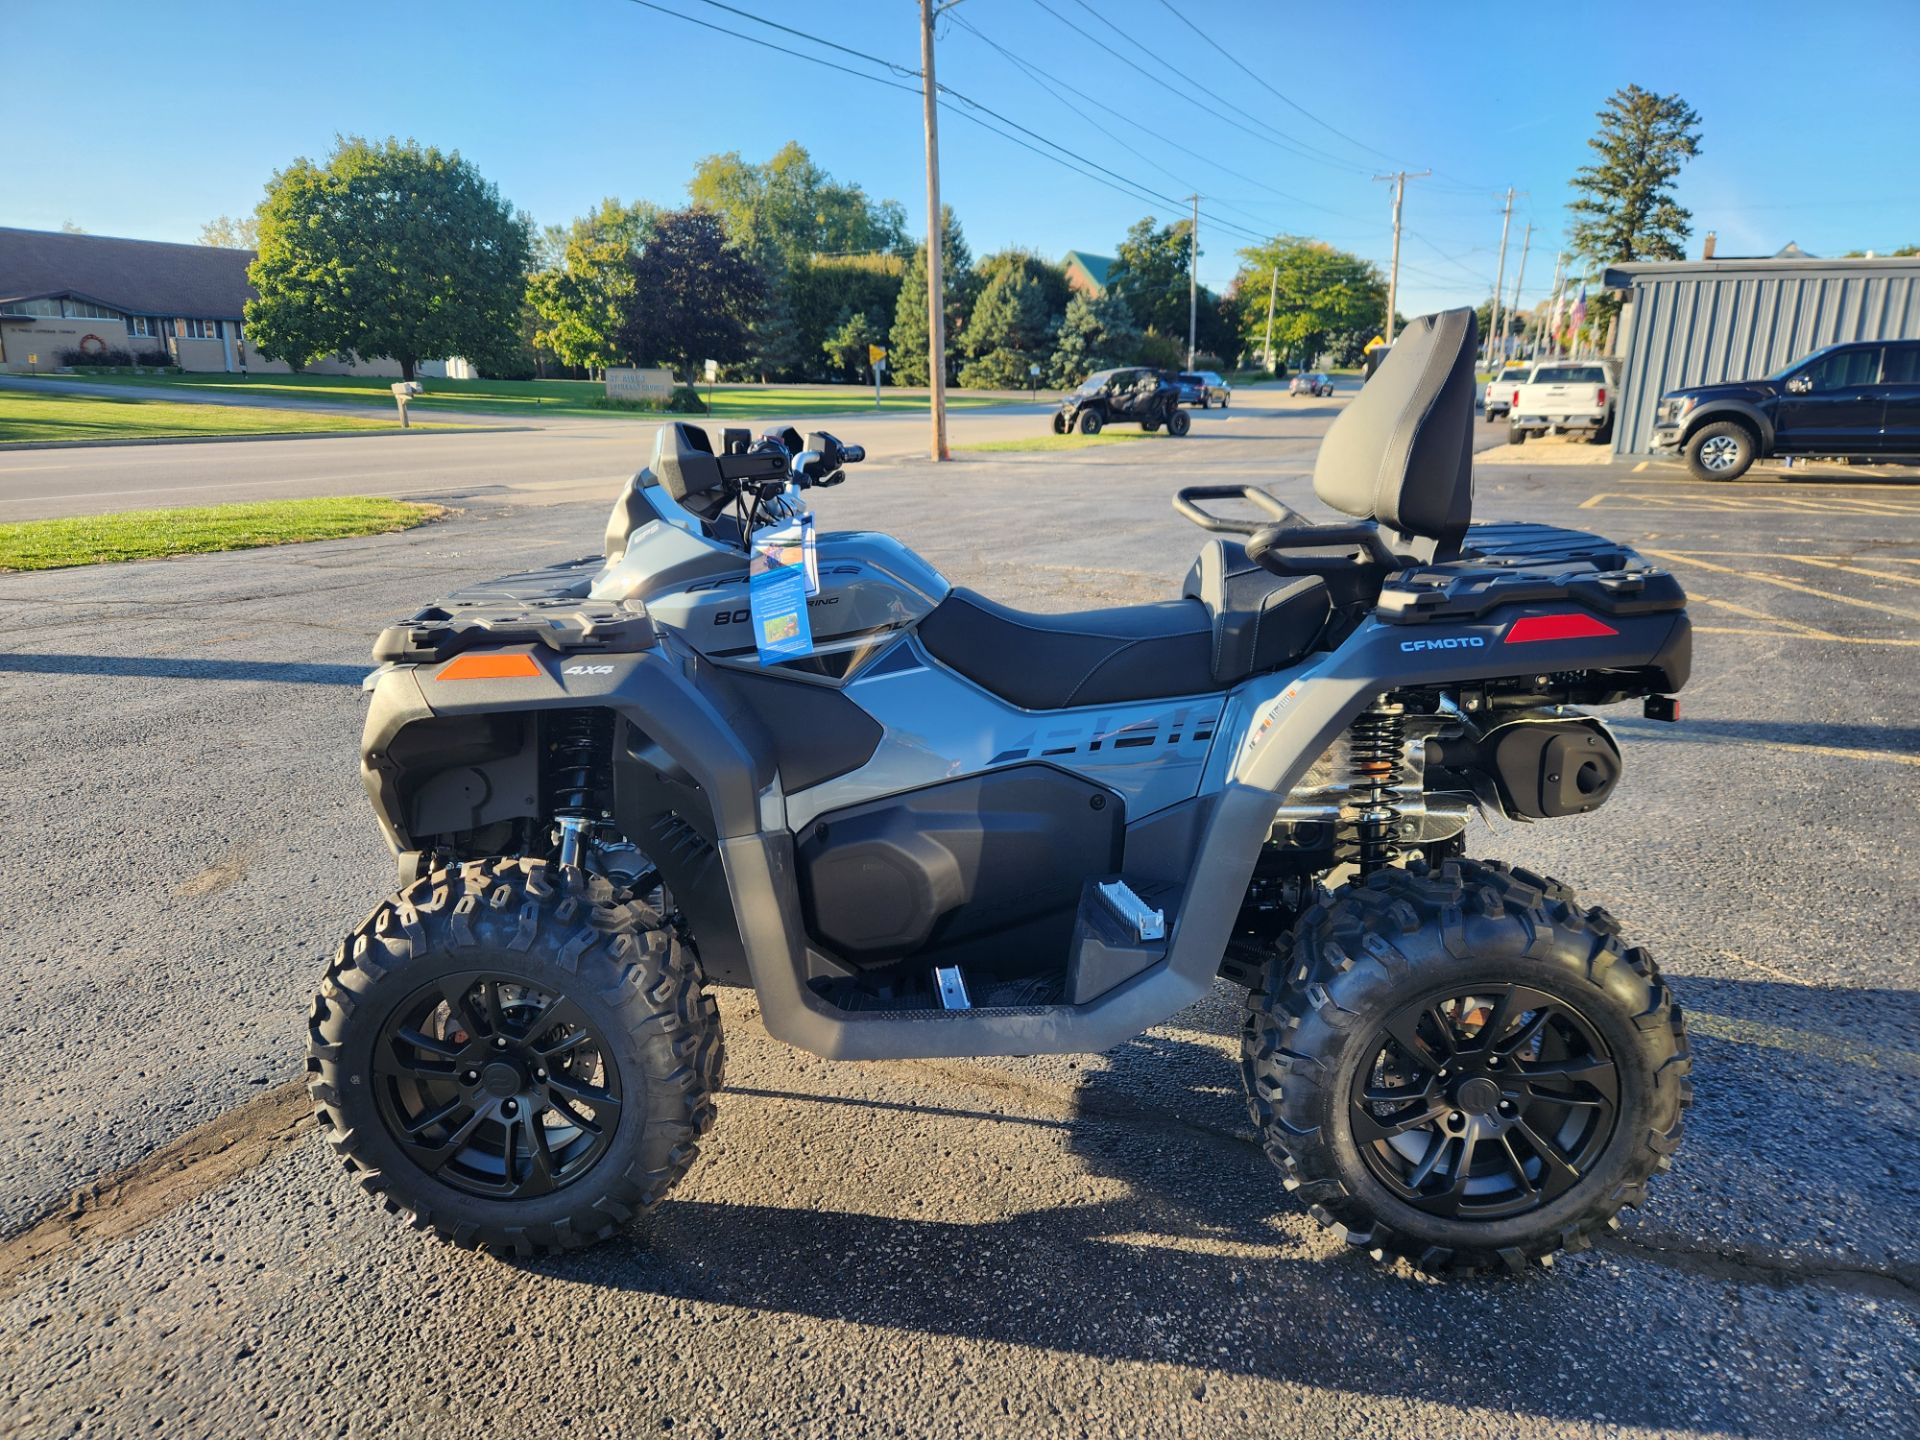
(147, 534)
(1074, 441)
(25, 417)
(531, 398)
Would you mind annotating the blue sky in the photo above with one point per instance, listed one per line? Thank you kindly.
(146, 120)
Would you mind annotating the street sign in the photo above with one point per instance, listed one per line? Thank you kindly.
(876, 354)
(1374, 344)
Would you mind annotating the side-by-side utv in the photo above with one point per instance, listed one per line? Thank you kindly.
(925, 824)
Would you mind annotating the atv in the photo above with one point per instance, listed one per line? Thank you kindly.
(918, 823)
(1143, 397)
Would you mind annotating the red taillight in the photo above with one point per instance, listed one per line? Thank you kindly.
(1572, 626)
(1516, 399)
(1600, 396)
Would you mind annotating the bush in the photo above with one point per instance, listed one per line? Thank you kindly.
(154, 359)
(96, 359)
(685, 400)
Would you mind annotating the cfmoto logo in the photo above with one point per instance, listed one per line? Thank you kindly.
(1452, 642)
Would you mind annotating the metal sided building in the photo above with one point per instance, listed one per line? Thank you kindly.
(1699, 322)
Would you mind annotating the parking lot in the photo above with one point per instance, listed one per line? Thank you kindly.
(1055, 1246)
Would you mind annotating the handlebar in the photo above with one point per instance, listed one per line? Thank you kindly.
(1185, 502)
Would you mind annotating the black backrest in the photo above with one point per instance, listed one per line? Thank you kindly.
(1401, 452)
(684, 462)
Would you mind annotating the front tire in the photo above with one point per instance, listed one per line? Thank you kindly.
(1179, 423)
(1723, 450)
(516, 1056)
(1059, 423)
(1464, 1068)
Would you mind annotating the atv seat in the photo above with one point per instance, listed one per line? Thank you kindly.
(1231, 626)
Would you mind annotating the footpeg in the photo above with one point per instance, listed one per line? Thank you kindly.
(1143, 922)
(953, 989)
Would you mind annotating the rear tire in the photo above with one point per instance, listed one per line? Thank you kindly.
(1179, 423)
(1090, 423)
(1515, 435)
(1364, 1123)
(515, 1056)
(1724, 450)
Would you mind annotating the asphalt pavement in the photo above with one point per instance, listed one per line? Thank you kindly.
(1056, 1246)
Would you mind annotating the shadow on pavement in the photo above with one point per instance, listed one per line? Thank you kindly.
(1893, 739)
(1203, 1261)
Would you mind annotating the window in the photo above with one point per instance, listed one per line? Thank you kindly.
(1903, 365)
(1570, 375)
(85, 310)
(140, 325)
(200, 329)
(34, 307)
(1846, 368)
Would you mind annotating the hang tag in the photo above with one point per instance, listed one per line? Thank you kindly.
(789, 544)
(781, 573)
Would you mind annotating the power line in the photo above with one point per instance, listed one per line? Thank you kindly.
(1118, 182)
(1269, 138)
(1261, 80)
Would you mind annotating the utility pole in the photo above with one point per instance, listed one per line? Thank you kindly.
(1399, 178)
(1499, 281)
(1193, 282)
(1273, 289)
(936, 281)
(1519, 284)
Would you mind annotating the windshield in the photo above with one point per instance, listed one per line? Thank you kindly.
(1785, 370)
(1094, 383)
(1569, 375)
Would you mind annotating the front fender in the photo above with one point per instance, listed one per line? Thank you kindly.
(1712, 410)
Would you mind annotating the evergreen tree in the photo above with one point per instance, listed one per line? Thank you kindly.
(1094, 335)
(1008, 331)
(1626, 209)
(907, 346)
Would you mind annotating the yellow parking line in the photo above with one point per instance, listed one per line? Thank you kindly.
(1752, 614)
(1803, 1042)
(1838, 752)
(1816, 635)
(1675, 557)
(1758, 503)
(1826, 564)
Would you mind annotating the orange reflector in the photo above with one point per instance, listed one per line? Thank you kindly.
(1557, 627)
(491, 667)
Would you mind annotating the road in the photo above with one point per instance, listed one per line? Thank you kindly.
(1055, 1246)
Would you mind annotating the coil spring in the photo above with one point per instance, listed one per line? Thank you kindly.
(579, 742)
(1377, 744)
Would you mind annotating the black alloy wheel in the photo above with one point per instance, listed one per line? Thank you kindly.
(495, 1086)
(1486, 1105)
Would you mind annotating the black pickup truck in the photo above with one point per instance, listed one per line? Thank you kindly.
(1858, 400)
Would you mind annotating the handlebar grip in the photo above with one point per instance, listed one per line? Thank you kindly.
(853, 454)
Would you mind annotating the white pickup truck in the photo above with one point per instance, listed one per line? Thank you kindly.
(1563, 395)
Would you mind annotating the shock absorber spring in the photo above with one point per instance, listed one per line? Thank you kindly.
(1377, 740)
(578, 745)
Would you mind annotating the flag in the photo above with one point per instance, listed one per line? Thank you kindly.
(1580, 307)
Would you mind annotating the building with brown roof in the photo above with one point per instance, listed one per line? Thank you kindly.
(67, 294)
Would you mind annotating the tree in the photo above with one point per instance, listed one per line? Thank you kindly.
(389, 249)
(847, 346)
(908, 344)
(231, 234)
(1895, 253)
(1625, 208)
(1322, 297)
(67, 227)
(695, 296)
(582, 303)
(1094, 335)
(615, 222)
(1009, 330)
(789, 209)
